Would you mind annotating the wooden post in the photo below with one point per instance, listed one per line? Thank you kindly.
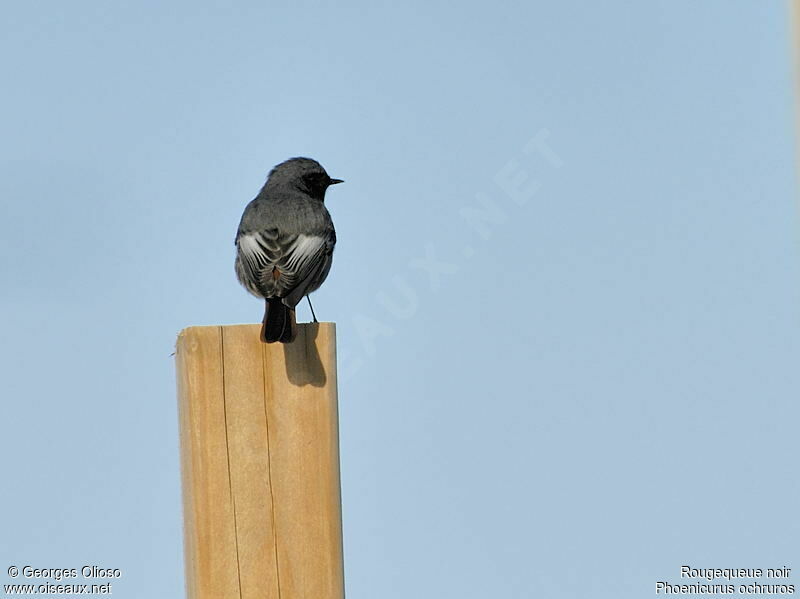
(260, 464)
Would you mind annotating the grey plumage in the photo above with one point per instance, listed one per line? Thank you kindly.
(286, 237)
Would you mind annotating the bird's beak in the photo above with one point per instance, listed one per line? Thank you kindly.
(335, 181)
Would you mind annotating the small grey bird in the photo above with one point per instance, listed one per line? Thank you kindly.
(284, 246)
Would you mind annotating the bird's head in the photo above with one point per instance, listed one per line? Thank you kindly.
(303, 174)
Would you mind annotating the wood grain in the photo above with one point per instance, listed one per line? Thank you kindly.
(260, 463)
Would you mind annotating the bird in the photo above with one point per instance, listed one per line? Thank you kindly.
(284, 244)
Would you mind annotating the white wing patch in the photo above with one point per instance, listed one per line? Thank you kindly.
(257, 257)
(303, 248)
(252, 250)
(270, 266)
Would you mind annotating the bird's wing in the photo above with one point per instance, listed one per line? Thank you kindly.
(285, 266)
(256, 255)
(313, 276)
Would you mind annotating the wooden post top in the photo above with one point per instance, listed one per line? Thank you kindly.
(260, 463)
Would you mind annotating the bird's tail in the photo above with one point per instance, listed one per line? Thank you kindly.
(279, 322)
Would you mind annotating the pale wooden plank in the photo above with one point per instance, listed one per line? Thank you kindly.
(249, 461)
(210, 545)
(303, 439)
(259, 442)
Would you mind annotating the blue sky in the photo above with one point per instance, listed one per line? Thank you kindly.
(579, 394)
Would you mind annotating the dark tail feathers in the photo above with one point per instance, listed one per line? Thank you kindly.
(279, 322)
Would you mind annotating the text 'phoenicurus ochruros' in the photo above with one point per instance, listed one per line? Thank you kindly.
(284, 246)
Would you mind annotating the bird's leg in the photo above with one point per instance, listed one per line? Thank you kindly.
(314, 316)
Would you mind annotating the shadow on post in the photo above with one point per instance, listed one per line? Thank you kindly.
(303, 363)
